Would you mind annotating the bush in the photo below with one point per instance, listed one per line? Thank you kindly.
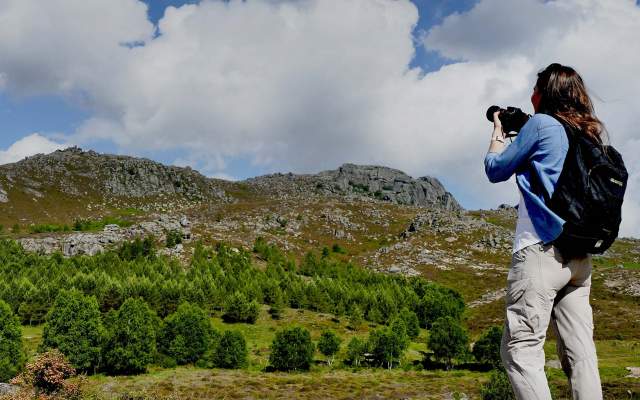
(336, 248)
(329, 344)
(448, 340)
(12, 355)
(174, 237)
(498, 387)
(410, 320)
(131, 338)
(487, 349)
(48, 373)
(230, 351)
(137, 249)
(355, 352)
(186, 334)
(239, 309)
(74, 326)
(439, 302)
(292, 349)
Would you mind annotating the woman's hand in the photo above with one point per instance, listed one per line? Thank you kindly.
(497, 137)
(497, 127)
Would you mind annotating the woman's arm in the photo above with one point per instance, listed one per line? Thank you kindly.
(500, 166)
(497, 137)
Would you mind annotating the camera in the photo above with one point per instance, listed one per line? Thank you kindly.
(512, 118)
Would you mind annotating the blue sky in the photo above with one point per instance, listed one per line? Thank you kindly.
(53, 114)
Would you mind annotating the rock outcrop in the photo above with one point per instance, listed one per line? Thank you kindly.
(91, 243)
(364, 182)
(76, 172)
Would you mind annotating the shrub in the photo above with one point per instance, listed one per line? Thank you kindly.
(12, 355)
(292, 349)
(336, 248)
(355, 352)
(137, 249)
(498, 387)
(230, 351)
(325, 252)
(173, 238)
(15, 228)
(329, 344)
(186, 334)
(239, 309)
(487, 349)
(131, 338)
(448, 340)
(74, 326)
(410, 320)
(48, 373)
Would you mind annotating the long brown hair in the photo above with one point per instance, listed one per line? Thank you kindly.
(564, 96)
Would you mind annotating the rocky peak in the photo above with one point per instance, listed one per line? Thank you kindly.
(391, 185)
(74, 171)
(360, 181)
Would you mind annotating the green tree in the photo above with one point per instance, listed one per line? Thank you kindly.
(277, 304)
(74, 326)
(12, 355)
(411, 322)
(239, 309)
(292, 349)
(387, 345)
(230, 350)
(355, 352)
(356, 316)
(448, 340)
(487, 349)
(131, 338)
(329, 344)
(439, 302)
(186, 334)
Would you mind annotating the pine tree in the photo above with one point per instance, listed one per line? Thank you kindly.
(12, 354)
(230, 350)
(74, 326)
(131, 338)
(239, 309)
(186, 334)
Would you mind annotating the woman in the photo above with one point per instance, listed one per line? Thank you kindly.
(543, 287)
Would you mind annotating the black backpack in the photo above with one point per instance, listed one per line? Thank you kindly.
(588, 196)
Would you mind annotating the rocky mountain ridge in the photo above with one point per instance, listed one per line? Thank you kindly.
(74, 174)
(363, 182)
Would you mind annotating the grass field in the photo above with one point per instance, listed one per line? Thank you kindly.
(335, 381)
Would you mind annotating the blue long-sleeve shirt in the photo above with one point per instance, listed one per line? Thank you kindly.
(541, 146)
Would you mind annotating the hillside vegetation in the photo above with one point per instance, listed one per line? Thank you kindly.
(364, 260)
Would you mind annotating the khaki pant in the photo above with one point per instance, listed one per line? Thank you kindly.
(544, 289)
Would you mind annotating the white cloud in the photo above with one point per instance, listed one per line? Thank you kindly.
(306, 85)
(28, 146)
